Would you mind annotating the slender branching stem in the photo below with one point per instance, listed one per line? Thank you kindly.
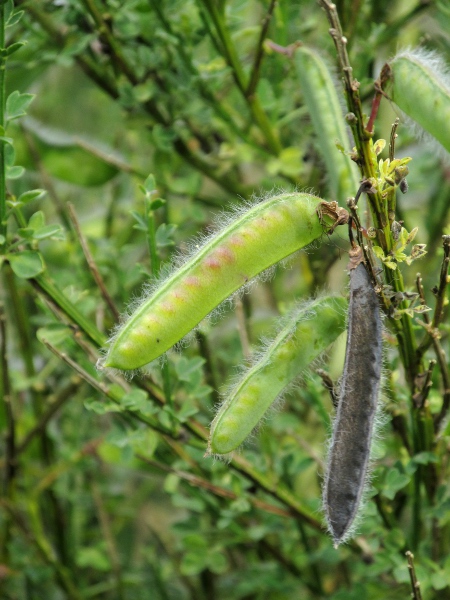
(228, 50)
(92, 264)
(2, 128)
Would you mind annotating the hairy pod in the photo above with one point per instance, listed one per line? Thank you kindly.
(255, 240)
(418, 82)
(325, 111)
(349, 453)
(307, 332)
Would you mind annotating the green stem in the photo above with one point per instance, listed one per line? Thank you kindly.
(232, 59)
(107, 84)
(2, 129)
(45, 285)
(378, 206)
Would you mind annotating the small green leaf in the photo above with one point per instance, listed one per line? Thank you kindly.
(14, 172)
(37, 220)
(217, 562)
(54, 231)
(379, 146)
(101, 407)
(412, 235)
(135, 400)
(150, 184)
(378, 251)
(186, 367)
(395, 481)
(6, 140)
(141, 223)
(8, 8)
(93, 558)
(14, 47)
(26, 264)
(26, 232)
(15, 18)
(421, 309)
(163, 138)
(55, 333)
(424, 458)
(164, 235)
(157, 203)
(17, 104)
(31, 195)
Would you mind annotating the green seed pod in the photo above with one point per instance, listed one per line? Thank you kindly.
(419, 84)
(324, 108)
(306, 333)
(251, 241)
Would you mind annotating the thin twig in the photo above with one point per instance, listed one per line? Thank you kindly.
(111, 545)
(424, 385)
(415, 585)
(433, 339)
(215, 489)
(256, 68)
(92, 264)
(443, 282)
(61, 398)
(5, 400)
(35, 535)
(228, 51)
(46, 179)
(110, 392)
(110, 159)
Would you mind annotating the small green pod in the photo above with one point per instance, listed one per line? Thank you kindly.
(323, 105)
(417, 81)
(253, 241)
(307, 332)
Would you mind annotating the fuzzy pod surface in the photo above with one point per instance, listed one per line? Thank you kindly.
(349, 452)
(323, 105)
(307, 332)
(252, 242)
(418, 81)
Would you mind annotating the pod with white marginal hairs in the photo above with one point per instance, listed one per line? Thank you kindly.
(418, 82)
(349, 452)
(250, 242)
(307, 331)
(322, 102)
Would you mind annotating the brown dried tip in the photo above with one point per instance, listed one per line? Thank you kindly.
(356, 257)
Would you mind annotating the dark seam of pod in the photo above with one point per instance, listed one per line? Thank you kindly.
(349, 452)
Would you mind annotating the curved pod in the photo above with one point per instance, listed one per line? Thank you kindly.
(349, 454)
(257, 239)
(308, 331)
(325, 111)
(419, 84)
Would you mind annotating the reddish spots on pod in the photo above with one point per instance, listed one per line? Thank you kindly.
(167, 308)
(212, 263)
(225, 254)
(176, 296)
(263, 223)
(192, 282)
(236, 241)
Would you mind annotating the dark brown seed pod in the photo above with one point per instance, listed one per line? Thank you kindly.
(349, 453)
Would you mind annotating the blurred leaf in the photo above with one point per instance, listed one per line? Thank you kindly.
(31, 195)
(26, 264)
(37, 220)
(164, 235)
(56, 333)
(17, 104)
(93, 558)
